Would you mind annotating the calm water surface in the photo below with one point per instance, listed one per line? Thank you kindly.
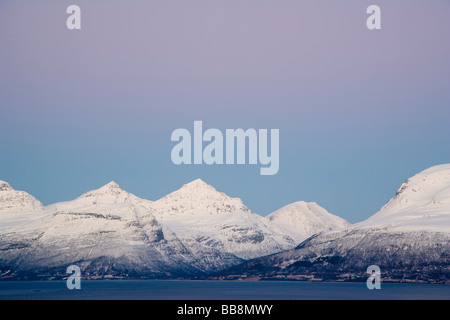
(216, 290)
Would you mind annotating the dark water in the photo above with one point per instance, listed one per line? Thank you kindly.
(217, 290)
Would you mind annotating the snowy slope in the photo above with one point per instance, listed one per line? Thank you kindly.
(13, 201)
(107, 232)
(421, 203)
(303, 219)
(414, 256)
(110, 232)
(197, 198)
(409, 239)
(201, 216)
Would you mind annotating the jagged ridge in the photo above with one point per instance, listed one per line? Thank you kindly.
(112, 233)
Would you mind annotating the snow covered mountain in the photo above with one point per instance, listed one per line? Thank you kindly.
(304, 219)
(108, 232)
(197, 198)
(112, 233)
(421, 203)
(409, 239)
(203, 217)
(197, 230)
(12, 201)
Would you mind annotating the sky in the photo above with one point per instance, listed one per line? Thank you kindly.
(359, 111)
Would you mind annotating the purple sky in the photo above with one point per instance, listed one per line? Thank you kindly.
(359, 111)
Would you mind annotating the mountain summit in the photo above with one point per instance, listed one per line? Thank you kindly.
(4, 186)
(198, 184)
(207, 220)
(303, 219)
(13, 201)
(109, 193)
(421, 203)
(198, 198)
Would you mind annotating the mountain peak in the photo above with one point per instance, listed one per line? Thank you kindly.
(4, 186)
(109, 193)
(304, 219)
(304, 204)
(421, 203)
(430, 187)
(197, 185)
(110, 186)
(197, 182)
(14, 201)
(199, 197)
(298, 208)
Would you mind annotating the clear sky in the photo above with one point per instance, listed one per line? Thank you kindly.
(358, 111)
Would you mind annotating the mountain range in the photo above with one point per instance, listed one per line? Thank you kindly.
(110, 233)
(199, 232)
